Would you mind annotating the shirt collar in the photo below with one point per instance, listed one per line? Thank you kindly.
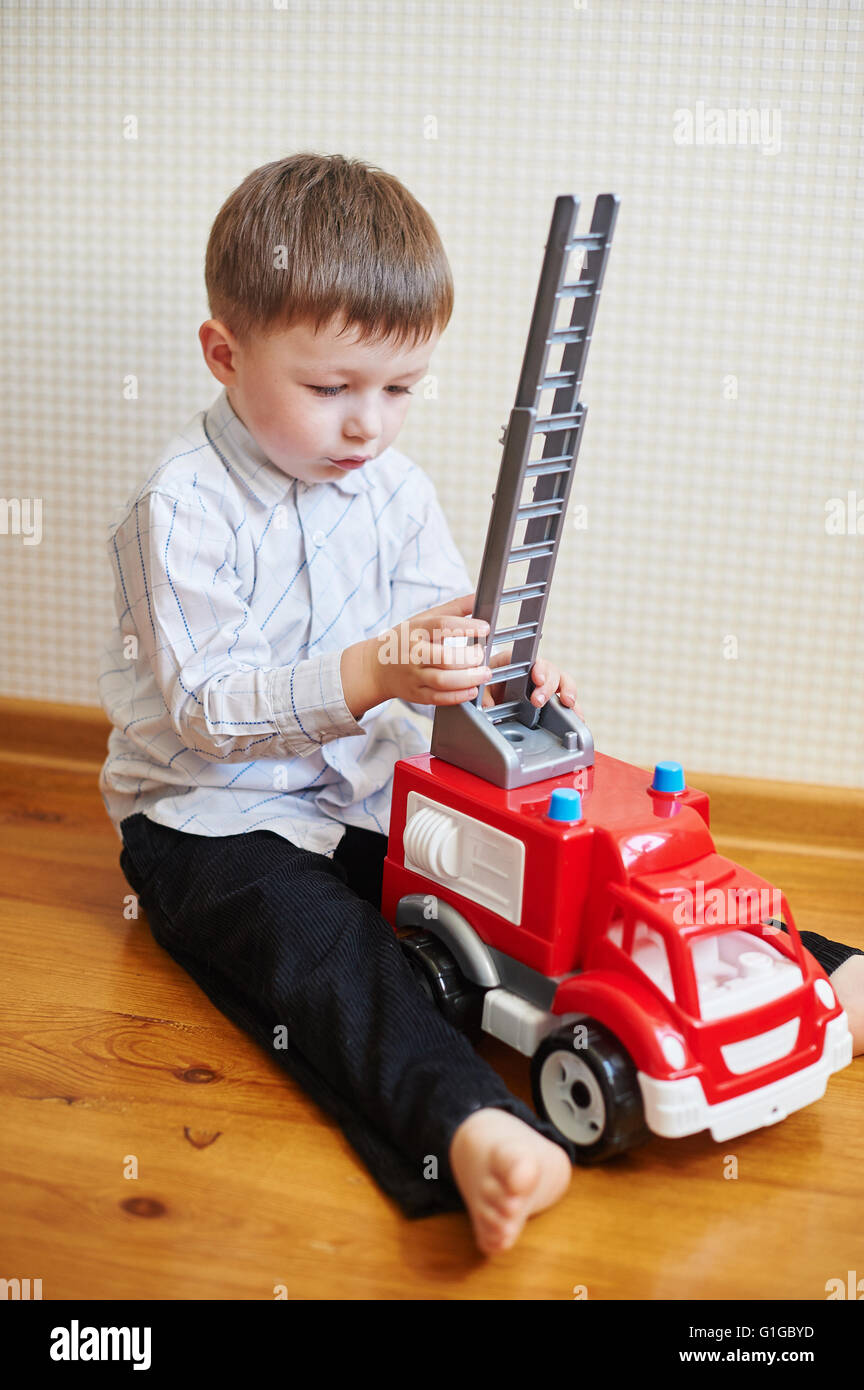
(244, 458)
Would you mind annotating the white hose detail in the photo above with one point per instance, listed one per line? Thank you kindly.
(431, 840)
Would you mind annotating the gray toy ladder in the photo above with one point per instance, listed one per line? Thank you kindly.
(514, 744)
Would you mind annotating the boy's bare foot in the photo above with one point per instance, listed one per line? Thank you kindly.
(848, 984)
(506, 1172)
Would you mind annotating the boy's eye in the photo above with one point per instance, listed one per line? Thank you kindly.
(334, 390)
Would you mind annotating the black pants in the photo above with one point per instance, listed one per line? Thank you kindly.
(292, 947)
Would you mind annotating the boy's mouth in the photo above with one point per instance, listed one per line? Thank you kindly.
(356, 462)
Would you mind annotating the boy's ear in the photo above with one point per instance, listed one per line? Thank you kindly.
(219, 347)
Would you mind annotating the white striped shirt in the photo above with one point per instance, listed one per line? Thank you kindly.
(237, 588)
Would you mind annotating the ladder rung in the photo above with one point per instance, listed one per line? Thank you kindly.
(498, 712)
(506, 673)
(523, 591)
(557, 379)
(558, 422)
(593, 240)
(510, 634)
(541, 466)
(552, 458)
(577, 289)
(539, 509)
(529, 552)
(567, 335)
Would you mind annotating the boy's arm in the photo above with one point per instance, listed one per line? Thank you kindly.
(227, 696)
(430, 569)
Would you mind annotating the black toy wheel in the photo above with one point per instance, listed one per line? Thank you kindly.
(586, 1086)
(442, 981)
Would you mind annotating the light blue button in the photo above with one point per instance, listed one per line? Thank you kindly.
(565, 804)
(668, 777)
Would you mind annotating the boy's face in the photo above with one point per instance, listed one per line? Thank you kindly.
(274, 384)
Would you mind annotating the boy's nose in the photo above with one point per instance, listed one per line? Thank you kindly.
(364, 426)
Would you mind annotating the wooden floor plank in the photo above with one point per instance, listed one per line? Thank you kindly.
(244, 1185)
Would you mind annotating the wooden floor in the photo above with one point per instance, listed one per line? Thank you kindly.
(111, 1053)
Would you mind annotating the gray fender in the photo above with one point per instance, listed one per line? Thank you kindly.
(450, 927)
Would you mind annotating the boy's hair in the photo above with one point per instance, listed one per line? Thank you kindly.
(314, 236)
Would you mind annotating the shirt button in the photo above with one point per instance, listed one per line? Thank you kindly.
(318, 537)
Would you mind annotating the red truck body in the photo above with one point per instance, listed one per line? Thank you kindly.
(630, 918)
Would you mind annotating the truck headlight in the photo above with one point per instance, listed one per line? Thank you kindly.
(673, 1051)
(825, 994)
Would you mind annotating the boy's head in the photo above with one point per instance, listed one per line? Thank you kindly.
(328, 289)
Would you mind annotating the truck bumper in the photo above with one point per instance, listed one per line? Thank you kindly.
(676, 1108)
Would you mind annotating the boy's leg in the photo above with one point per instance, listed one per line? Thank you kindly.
(830, 954)
(277, 939)
(844, 965)
(361, 854)
(848, 981)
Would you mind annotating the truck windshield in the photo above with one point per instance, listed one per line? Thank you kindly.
(737, 971)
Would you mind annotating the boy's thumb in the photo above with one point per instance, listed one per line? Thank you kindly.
(454, 608)
(458, 607)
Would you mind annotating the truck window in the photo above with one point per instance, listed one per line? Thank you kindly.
(648, 952)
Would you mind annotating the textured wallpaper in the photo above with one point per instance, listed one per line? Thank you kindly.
(708, 592)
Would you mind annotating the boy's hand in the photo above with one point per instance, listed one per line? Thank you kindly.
(409, 662)
(546, 677)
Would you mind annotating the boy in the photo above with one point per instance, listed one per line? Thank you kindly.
(250, 768)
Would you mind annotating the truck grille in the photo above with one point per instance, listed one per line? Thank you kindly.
(751, 1053)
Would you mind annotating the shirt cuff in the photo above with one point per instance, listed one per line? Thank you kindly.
(308, 703)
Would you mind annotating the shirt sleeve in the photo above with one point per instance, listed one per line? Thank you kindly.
(226, 697)
(429, 572)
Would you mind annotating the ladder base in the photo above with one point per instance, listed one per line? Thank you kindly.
(530, 746)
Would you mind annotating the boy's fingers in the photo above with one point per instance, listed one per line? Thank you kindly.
(453, 634)
(567, 694)
(454, 624)
(441, 679)
(449, 625)
(412, 649)
(458, 656)
(457, 607)
(459, 662)
(448, 697)
(545, 682)
(568, 699)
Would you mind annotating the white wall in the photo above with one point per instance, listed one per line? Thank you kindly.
(737, 267)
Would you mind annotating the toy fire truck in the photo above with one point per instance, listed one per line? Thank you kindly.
(569, 903)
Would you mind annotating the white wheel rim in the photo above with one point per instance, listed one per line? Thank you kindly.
(572, 1097)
